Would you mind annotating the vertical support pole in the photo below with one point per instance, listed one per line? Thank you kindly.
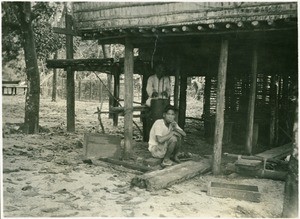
(145, 115)
(70, 79)
(79, 89)
(54, 81)
(176, 85)
(272, 108)
(90, 94)
(251, 106)
(207, 88)
(109, 81)
(219, 127)
(128, 123)
(182, 101)
(116, 93)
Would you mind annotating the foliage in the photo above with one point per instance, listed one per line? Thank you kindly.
(46, 41)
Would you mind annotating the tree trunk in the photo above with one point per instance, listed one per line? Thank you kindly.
(32, 103)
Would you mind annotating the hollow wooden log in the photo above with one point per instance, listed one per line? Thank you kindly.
(159, 179)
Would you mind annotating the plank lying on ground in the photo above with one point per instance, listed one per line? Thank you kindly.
(278, 152)
(265, 174)
(163, 178)
(240, 192)
(127, 165)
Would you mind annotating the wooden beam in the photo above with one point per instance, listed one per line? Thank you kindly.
(164, 178)
(219, 122)
(64, 31)
(127, 165)
(251, 105)
(185, 28)
(182, 101)
(70, 79)
(128, 103)
(175, 29)
(64, 63)
(165, 30)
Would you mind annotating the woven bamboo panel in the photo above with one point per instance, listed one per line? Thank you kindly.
(107, 15)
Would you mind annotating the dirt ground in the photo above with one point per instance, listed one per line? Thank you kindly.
(44, 175)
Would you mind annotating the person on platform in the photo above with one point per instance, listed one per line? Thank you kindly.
(165, 137)
(158, 85)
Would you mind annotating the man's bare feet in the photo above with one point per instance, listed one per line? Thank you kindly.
(167, 162)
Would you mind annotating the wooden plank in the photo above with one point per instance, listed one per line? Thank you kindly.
(240, 192)
(70, 80)
(164, 178)
(278, 152)
(265, 174)
(251, 106)
(219, 127)
(101, 146)
(128, 102)
(249, 164)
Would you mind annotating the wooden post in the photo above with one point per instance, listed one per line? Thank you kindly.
(206, 107)
(182, 101)
(128, 99)
(79, 89)
(90, 94)
(54, 81)
(109, 81)
(176, 85)
(219, 123)
(70, 79)
(272, 109)
(251, 106)
(116, 94)
(145, 117)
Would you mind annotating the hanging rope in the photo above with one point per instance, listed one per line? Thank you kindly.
(117, 101)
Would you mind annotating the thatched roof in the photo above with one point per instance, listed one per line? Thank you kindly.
(115, 15)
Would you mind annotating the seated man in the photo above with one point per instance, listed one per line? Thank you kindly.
(158, 85)
(164, 139)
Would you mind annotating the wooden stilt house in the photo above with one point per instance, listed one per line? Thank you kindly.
(247, 52)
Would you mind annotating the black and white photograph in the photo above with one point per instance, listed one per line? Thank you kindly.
(149, 109)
